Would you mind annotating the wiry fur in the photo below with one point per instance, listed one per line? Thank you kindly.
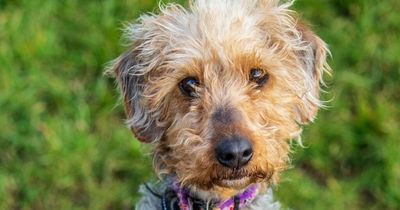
(218, 42)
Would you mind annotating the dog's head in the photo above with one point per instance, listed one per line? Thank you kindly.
(219, 89)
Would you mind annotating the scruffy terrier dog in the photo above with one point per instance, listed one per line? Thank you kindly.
(219, 90)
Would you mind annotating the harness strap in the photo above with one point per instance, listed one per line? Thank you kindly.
(169, 201)
(236, 202)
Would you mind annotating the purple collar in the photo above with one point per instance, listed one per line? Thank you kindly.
(186, 200)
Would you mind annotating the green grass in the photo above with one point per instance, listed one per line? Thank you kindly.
(62, 140)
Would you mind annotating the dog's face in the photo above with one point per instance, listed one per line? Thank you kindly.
(220, 89)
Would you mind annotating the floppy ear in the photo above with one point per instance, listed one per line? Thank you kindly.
(128, 70)
(313, 58)
(138, 68)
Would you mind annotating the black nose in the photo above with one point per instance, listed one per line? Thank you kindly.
(234, 152)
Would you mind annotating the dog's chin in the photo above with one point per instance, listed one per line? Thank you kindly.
(230, 180)
(241, 179)
(235, 183)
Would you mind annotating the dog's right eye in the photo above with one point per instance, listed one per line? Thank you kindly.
(258, 76)
(188, 86)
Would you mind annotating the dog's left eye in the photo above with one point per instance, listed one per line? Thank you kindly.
(188, 86)
(259, 76)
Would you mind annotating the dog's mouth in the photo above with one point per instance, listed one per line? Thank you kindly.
(241, 180)
(234, 182)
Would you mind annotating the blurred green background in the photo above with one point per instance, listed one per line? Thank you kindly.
(63, 144)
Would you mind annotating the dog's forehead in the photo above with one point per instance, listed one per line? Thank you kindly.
(214, 34)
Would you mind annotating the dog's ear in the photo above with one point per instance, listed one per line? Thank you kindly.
(313, 58)
(128, 70)
(137, 70)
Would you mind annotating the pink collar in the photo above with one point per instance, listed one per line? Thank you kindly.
(241, 200)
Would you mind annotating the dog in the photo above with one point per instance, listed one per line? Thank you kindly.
(219, 89)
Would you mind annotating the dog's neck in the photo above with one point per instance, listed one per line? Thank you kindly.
(186, 199)
(163, 196)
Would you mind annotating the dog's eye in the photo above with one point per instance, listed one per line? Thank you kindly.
(188, 86)
(259, 76)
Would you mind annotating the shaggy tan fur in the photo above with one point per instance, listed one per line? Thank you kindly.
(219, 42)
